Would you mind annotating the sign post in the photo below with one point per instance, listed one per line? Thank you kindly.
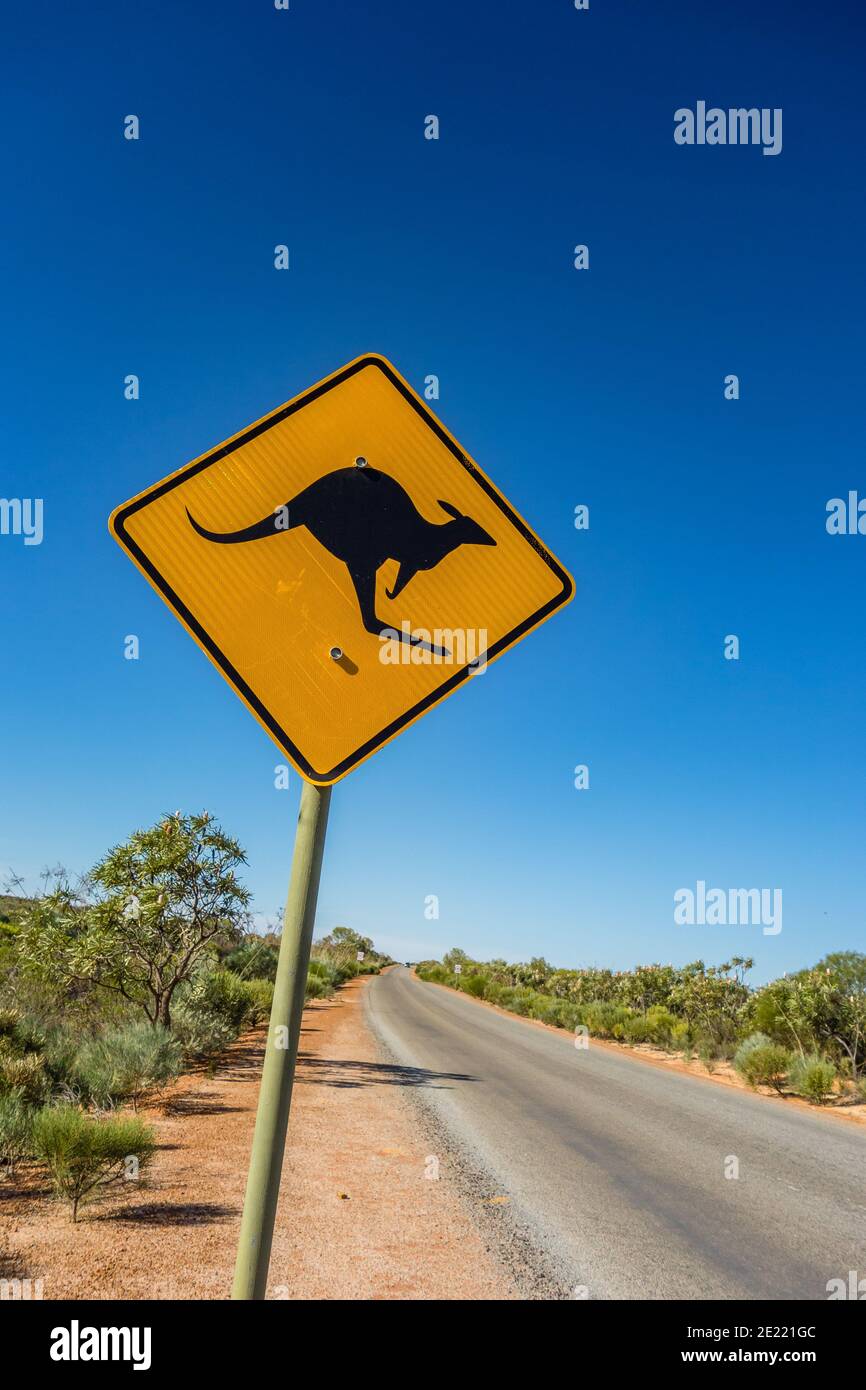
(346, 566)
(275, 1095)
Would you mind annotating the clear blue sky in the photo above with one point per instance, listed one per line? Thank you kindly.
(603, 387)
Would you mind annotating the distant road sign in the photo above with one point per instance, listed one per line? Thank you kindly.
(344, 563)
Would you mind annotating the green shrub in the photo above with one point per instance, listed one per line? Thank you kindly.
(83, 1153)
(222, 993)
(214, 1008)
(570, 1015)
(657, 1026)
(662, 1025)
(493, 992)
(813, 1077)
(606, 1020)
(254, 960)
(761, 1062)
(24, 1073)
(261, 997)
(681, 1035)
(318, 987)
(474, 985)
(61, 1048)
(9, 1020)
(638, 1029)
(201, 1034)
(549, 1010)
(437, 974)
(521, 1000)
(16, 1128)
(125, 1062)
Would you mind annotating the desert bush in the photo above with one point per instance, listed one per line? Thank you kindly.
(221, 1002)
(553, 1011)
(16, 1129)
(83, 1153)
(663, 1024)
(521, 1000)
(61, 1048)
(201, 1034)
(434, 972)
(9, 1020)
(326, 971)
(253, 960)
(23, 1072)
(681, 1036)
(261, 997)
(493, 992)
(762, 1062)
(124, 1063)
(638, 1029)
(570, 1015)
(606, 1020)
(318, 988)
(474, 985)
(813, 1077)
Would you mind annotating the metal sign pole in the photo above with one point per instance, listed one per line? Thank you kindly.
(275, 1095)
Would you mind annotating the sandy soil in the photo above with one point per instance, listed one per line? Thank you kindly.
(358, 1217)
(841, 1107)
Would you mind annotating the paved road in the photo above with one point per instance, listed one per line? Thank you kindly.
(617, 1168)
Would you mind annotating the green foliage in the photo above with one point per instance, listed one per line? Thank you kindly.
(222, 993)
(83, 1154)
(159, 902)
(762, 1062)
(215, 1006)
(474, 985)
(201, 1034)
(819, 1010)
(254, 959)
(260, 995)
(124, 1063)
(813, 1077)
(433, 972)
(712, 1000)
(23, 1072)
(16, 1129)
(318, 987)
(606, 1020)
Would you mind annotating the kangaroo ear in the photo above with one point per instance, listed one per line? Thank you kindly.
(452, 511)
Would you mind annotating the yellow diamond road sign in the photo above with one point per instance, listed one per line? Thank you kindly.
(344, 563)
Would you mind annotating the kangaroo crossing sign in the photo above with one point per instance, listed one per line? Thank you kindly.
(344, 563)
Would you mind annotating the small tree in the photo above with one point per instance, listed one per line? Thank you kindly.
(83, 1154)
(158, 903)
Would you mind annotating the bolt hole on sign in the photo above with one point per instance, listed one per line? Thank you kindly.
(344, 563)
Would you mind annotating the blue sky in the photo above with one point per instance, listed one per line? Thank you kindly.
(603, 387)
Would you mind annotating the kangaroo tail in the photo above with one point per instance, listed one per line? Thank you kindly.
(271, 525)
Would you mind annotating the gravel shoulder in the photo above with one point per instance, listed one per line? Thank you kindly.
(360, 1214)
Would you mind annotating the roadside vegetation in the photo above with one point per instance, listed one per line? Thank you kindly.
(804, 1034)
(111, 987)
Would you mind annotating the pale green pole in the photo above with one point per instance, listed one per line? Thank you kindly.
(278, 1073)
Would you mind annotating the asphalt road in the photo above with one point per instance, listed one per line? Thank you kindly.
(616, 1168)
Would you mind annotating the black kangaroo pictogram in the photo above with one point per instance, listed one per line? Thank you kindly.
(364, 517)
